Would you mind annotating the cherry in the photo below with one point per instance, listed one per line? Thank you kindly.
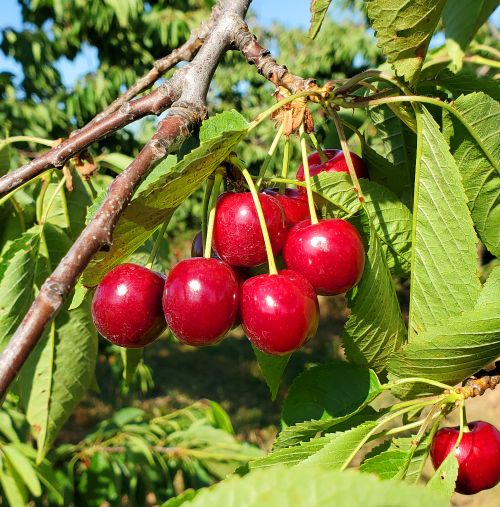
(329, 254)
(126, 307)
(200, 300)
(336, 163)
(280, 312)
(478, 455)
(237, 234)
(294, 203)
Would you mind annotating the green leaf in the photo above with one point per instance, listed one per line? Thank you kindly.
(478, 165)
(386, 465)
(12, 486)
(490, 295)
(312, 486)
(444, 279)
(159, 200)
(24, 468)
(17, 275)
(318, 10)
(404, 30)
(57, 374)
(328, 391)
(445, 477)
(332, 450)
(463, 18)
(272, 368)
(7, 427)
(181, 499)
(373, 331)
(391, 219)
(4, 157)
(131, 359)
(77, 203)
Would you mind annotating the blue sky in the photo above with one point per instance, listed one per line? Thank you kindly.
(297, 15)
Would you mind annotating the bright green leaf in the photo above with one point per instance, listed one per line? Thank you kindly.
(131, 359)
(272, 368)
(24, 468)
(444, 479)
(318, 10)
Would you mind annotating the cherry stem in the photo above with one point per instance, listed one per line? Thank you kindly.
(318, 147)
(419, 380)
(269, 155)
(267, 242)
(206, 203)
(347, 154)
(157, 243)
(286, 161)
(307, 176)
(52, 199)
(207, 253)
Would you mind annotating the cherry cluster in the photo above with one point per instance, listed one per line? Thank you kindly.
(201, 299)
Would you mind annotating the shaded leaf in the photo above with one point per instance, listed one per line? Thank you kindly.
(272, 368)
(24, 468)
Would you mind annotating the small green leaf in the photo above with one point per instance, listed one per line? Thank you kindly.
(131, 359)
(181, 499)
(490, 295)
(312, 486)
(12, 486)
(318, 10)
(386, 465)
(444, 279)
(24, 468)
(445, 477)
(404, 30)
(272, 368)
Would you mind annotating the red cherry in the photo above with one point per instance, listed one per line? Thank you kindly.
(294, 203)
(329, 254)
(280, 312)
(478, 455)
(200, 300)
(126, 307)
(237, 235)
(335, 163)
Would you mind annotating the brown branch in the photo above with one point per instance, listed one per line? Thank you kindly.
(194, 80)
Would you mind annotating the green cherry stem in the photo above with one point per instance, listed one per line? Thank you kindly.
(318, 147)
(157, 243)
(267, 242)
(307, 176)
(269, 155)
(206, 203)
(207, 252)
(347, 154)
(417, 380)
(286, 161)
(51, 200)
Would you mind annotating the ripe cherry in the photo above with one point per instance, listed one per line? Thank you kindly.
(237, 234)
(127, 306)
(200, 300)
(336, 163)
(478, 455)
(329, 254)
(294, 203)
(280, 312)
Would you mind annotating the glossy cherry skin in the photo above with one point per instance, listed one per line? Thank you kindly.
(330, 254)
(335, 163)
(294, 204)
(279, 313)
(126, 307)
(237, 235)
(478, 455)
(200, 300)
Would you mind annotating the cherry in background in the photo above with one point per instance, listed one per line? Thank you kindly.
(237, 234)
(330, 254)
(200, 300)
(126, 307)
(478, 455)
(336, 163)
(280, 312)
(294, 203)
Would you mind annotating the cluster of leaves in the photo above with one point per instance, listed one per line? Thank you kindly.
(128, 457)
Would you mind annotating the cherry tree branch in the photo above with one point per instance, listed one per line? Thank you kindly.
(187, 111)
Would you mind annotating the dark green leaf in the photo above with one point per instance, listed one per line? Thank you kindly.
(272, 368)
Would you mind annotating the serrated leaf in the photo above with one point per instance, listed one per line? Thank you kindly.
(386, 465)
(312, 486)
(318, 10)
(332, 450)
(328, 391)
(57, 374)
(463, 18)
(490, 294)
(444, 479)
(478, 165)
(404, 30)
(391, 219)
(17, 275)
(24, 468)
(444, 280)
(159, 200)
(272, 368)
(373, 332)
